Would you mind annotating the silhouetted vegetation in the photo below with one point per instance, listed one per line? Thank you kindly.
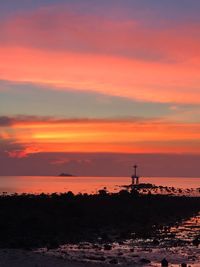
(28, 221)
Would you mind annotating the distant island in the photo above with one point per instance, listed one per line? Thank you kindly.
(66, 175)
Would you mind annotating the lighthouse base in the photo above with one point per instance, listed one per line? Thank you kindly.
(135, 180)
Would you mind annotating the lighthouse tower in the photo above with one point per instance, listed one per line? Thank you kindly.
(135, 177)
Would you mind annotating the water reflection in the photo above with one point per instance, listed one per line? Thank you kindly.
(176, 245)
(51, 184)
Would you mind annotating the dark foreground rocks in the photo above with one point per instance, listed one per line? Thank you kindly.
(31, 221)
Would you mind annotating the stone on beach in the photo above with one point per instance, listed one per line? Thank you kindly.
(113, 261)
(146, 261)
(155, 242)
(164, 263)
(107, 247)
(196, 241)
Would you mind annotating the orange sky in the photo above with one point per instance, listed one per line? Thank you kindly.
(102, 136)
(99, 78)
(111, 75)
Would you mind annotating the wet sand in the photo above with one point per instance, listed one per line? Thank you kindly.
(175, 244)
(22, 258)
(177, 249)
(175, 241)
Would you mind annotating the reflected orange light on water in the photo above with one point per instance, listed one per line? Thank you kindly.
(52, 184)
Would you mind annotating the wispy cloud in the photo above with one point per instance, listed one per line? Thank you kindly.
(40, 134)
(107, 75)
(65, 29)
(83, 52)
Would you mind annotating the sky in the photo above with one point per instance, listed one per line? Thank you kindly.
(92, 87)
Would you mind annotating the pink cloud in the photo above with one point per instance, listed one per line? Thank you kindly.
(17, 154)
(152, 82)
(61, 161)
(63, 29)
(64, 50)
(23, 152)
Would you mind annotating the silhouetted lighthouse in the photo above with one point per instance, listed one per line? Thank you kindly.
(135, 178)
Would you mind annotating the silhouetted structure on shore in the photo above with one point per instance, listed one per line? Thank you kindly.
(135, 177)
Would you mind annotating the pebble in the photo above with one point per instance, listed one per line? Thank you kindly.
(113, 261)
(145, 261)
(107, 247)
(164, 263)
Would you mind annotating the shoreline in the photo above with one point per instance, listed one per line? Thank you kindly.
(89, 185)
(53, 220)
(107, 229)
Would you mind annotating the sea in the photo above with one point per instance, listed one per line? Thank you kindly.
(90, 185)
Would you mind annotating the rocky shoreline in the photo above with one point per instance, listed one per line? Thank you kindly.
(126, 229)
(33, 221)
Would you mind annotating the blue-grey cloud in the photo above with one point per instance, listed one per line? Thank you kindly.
(29, 99)
(170, 8)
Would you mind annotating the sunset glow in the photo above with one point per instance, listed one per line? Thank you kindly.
(104, 136)
(116, 77)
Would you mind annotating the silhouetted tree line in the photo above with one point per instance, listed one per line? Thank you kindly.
(28, 221)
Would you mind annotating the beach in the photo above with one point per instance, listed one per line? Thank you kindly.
(23, 258)
(128, 228)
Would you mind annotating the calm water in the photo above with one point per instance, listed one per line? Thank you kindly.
(50, 184)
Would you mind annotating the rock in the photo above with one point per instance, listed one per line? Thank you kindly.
(146, 261)
(120, 254)
(164, 263)
(96, 247)
(196, 242)
(135, 256)
(107, 247)
(192, 257)
(155, 242)
(113, 261)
